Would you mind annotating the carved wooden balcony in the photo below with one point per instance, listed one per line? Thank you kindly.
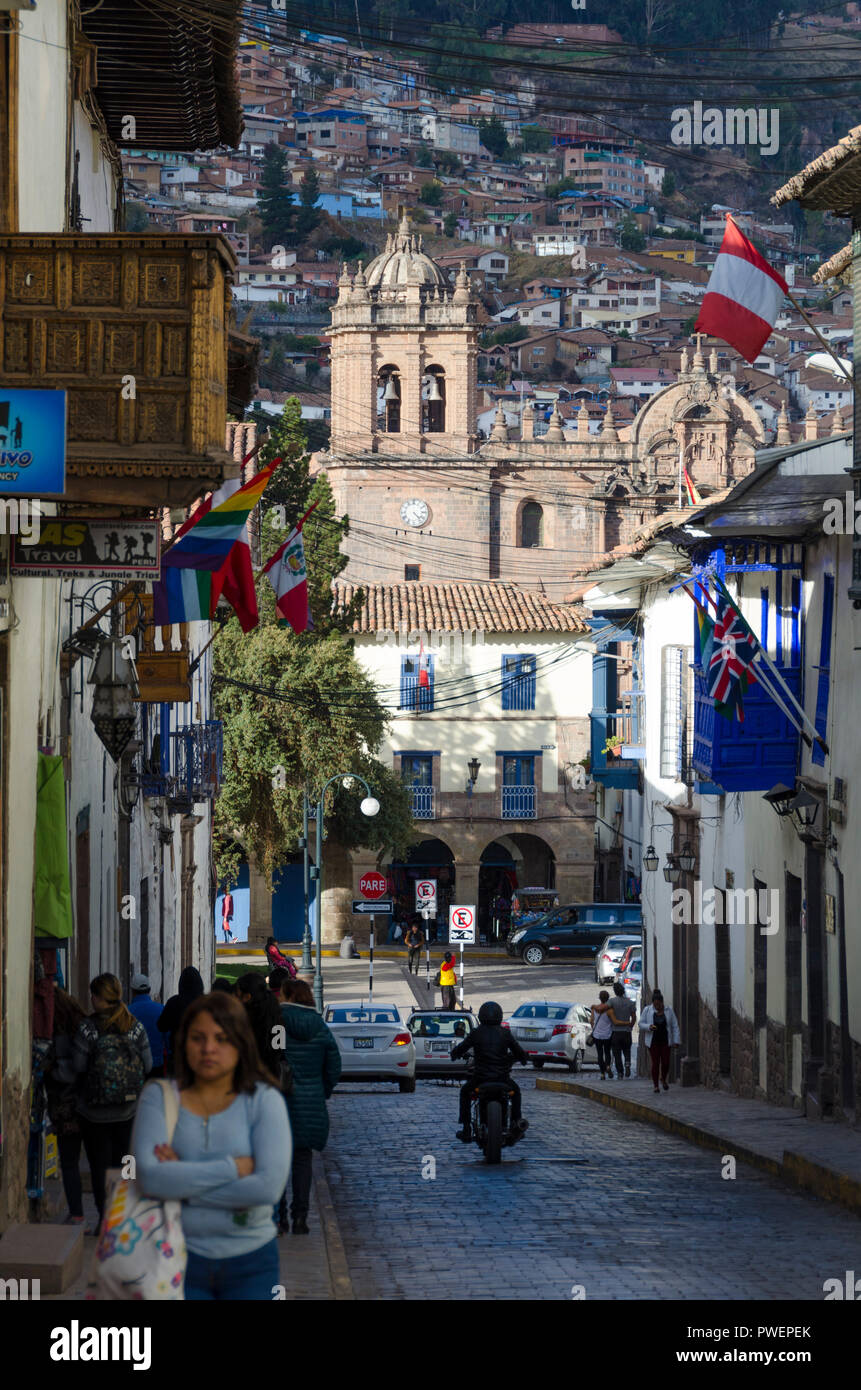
(135, 330)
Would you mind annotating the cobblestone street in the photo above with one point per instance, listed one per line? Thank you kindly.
(642, 1215)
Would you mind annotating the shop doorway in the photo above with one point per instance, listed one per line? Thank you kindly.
(511, 862)
(429, 859)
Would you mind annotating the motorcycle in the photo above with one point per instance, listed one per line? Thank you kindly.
(490, 1119)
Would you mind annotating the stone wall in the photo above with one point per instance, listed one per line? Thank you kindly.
(13, 1165)
(709, 1055)
(776, 1075)
(744, 1075)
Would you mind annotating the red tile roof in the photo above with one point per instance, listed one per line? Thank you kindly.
(493, 606)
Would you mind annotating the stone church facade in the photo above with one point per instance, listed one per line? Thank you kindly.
(430, 501)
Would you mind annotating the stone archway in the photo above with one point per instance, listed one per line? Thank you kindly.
(518, 860)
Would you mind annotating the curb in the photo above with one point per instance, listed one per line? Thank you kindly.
(339, 1270)
(794, 1169)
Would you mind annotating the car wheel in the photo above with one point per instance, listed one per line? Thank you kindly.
(406, 1085)
(576, 1062)
(534, 954)
(538, 1065)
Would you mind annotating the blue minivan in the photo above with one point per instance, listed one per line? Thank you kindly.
(576, 930)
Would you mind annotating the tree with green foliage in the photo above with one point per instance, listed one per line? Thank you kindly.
(630, 236)
(447, 162)
(535, 139)
(449, 223)
(275, 200)
(348, 247)
(309, 215)
(419, 215)
(424, 158)
(494, 136)
(431, 193)
(511, 333)
(688, 326)
(298, 707)
(136, 218)
(668, 184)
(566, 185)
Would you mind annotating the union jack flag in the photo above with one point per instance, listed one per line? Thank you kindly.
(733, 651)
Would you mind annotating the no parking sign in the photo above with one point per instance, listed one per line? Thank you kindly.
(426, 895)
(461, 924)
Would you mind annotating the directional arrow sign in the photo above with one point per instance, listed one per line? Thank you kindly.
(381, 906)
(461, 924)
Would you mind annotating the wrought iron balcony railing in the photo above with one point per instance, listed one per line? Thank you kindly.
(518, 803)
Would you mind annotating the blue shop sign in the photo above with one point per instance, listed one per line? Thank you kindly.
(32, 442)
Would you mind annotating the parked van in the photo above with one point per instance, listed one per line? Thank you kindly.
(577, 930)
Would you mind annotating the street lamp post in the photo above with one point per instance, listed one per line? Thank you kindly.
(369, 807)
(306, 934)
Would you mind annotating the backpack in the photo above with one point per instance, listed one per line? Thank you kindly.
(141, 1251)
(116, 1074)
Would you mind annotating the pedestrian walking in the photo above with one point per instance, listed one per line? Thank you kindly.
(448, 980)
(315, 1061)
(602, 1033)
(415, 939)
(229, 1156)
(622, 1015)
(169, 1020)
(227, 918)
(111, 1052)
(62, 1099)
(660, 1029)
(264, 1015)
(148, 1012)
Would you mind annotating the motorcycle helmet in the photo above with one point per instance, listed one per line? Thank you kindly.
(490, 1013)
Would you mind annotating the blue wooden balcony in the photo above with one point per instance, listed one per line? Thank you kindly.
(752, 756)
(620, 770)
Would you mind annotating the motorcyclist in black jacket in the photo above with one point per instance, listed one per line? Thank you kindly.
(495, 1051)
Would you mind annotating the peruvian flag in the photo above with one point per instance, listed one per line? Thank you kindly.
(424, 678)
(743, 295)
(288, 576)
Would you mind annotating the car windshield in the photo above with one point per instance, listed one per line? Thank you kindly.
(362, 1016)
(439, 1026)
(635, 966)
(620, 943)
(541, 1011)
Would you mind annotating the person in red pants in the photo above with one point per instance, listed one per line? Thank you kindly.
(660, 1028)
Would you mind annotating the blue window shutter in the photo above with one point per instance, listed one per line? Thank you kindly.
(409, 679)
(795, 648)
(508, 674)
(763, 619)
(425, 702)
(527, 682)
(824, 682)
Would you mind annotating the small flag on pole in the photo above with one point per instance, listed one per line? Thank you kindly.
(287, 573)
(424, 678)
(743, 296)
(691, 489)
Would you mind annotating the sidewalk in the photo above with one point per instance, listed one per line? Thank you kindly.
(819, 1156)
(313, 1267)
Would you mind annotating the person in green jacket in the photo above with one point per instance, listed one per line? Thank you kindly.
(313, 1054)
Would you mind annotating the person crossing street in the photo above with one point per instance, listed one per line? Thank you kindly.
(415, 939)
(448, 980)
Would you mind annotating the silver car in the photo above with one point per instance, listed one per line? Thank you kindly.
(435, 1032)
(551, 1031)
(374, 1043)
(610, 952)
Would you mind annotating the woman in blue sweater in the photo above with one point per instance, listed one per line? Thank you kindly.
(230, 1155)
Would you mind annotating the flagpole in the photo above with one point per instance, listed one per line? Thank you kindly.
(828, 348)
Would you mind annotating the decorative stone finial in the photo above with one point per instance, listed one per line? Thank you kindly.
(783, 434)
(499, 432)
(609, 431)
(555, 433)
(582, 422)
(462, 286)
(713, 362)
(811, 423)
(360, 287)
(837, 426)
(685, 364)
(699, 360)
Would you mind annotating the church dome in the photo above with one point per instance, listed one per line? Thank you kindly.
(402, 263)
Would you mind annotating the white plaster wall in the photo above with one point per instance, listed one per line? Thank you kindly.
(97, 182)
(479, 726)
(43, 69)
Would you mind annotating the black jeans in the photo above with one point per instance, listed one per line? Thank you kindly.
(448, 1000)
(415, 955)
(466, 1100)
(622, 1048)
(106, 1145)
(301, 1183)
(604, 1049)
(69, 1150)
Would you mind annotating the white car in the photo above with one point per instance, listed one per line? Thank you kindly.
(610, 952)
(374, 1043)
(551, 1031)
